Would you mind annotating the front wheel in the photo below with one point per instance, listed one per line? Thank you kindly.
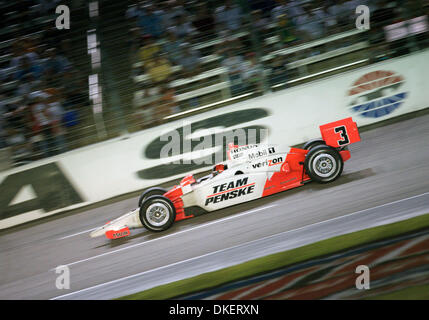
(155, 191)
(323, 164)
(157, 213)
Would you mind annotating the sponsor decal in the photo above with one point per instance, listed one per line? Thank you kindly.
(120, 234)
(377, 94)
(239, 152)
(261, 153)
(243, 148)
(112, 234)
(231, 190)
(258, 154)
(268, 162)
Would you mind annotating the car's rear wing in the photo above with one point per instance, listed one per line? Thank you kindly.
(340, 133)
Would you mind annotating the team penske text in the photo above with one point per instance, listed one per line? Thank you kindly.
(230, 190)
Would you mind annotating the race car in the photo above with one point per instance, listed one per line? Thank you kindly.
(251, 172)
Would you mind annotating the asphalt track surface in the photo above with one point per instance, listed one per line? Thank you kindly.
(387, 175)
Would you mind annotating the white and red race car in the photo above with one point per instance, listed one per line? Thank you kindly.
(251, 172)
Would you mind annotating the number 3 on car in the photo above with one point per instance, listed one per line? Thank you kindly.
(340, 133)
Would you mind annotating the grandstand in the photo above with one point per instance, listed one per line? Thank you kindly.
(126, 66)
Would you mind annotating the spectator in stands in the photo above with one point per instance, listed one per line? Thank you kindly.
(149, 50)
(311, 24)
(132, 14)
(29, 45)
(134, 43)
(55, 65)
(172, 10)
(20, 147)
(173, 47)
(42, 134)
(159, 68)
(15, 113)
(55, 114)
(150, 21)
(228, 17)
(228, 44)
(260, 27)
(280, 9)
(166, 104)
(292, 9)
(341, 12)
(26, 85)
(184, 29)
(330, 19)
(189, 60)
(285, 30)
(234, 64)
(204, 23)
(74, 90)
(252, 73)
(74, 97)
(146, 105)
(25, 67)
(23, 48)
(278, 70)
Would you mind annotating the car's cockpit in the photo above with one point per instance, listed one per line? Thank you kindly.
(217, 169)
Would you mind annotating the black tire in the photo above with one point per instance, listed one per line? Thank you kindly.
(157, 205)
(312, 143)
(155, 191)
(323, 164)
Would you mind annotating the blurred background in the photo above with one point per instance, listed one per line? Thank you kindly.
(124, 66)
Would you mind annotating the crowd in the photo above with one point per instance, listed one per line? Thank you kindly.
(165, 35)
(41, 91)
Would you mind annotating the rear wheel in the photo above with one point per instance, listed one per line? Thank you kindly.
(313, 143)
(157, 213)
(323, 164)
(155, 191)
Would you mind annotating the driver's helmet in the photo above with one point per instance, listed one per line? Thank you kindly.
(219, 168)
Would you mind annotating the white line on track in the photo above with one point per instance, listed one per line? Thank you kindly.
(142, 273)
(214, 252)
(75, 234)
(168, 236)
